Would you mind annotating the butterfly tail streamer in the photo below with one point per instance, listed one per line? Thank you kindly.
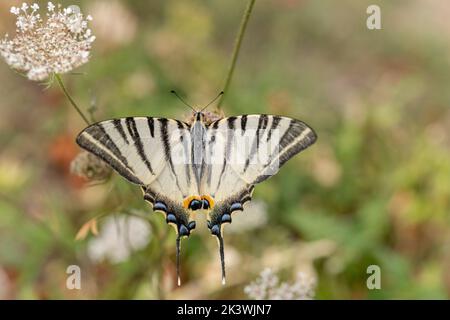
(222, 257)
(178, 261)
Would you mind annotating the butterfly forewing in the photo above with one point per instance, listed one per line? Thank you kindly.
(248, 149)
(144, 150)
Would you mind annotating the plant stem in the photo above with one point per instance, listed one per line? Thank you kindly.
(72, 102)
(237, 47)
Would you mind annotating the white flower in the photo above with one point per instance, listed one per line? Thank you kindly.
(50, 7)
(268, 286)
(85, 54)
(119, 237)
(41, 48)
(15, 10)
(37, 73)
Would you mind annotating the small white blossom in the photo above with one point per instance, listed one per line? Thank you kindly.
(58, 44)
(15, 10)
(118, 238)
(84, 54)
(37, 73)
(268, 286)
(50, 7)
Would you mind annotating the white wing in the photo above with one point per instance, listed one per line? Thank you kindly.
(241, 152)
(151, 152)
(246, 150)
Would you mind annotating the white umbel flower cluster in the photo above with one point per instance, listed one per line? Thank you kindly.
(42, 47)
(268, 287)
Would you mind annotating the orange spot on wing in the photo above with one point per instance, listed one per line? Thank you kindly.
(188, 200)
(210, 200)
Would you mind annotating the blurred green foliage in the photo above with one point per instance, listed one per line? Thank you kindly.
(375, 189)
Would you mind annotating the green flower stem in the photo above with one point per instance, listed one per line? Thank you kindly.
(72, 102)
(237, 47)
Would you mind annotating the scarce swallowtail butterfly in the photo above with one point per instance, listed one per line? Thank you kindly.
(183, 167)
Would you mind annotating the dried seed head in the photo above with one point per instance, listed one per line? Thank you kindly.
(90, 167)
(42, 47)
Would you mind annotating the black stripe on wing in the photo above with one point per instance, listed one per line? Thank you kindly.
(262, 125)
(243, 123)
(167, 149)
(230, 137)
(296, 138)
(134, 133)
(151, 126)
(118, 126)
(275, 122)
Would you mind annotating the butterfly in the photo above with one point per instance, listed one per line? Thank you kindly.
(209, 165)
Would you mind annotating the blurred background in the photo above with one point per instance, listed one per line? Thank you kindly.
(374, 189)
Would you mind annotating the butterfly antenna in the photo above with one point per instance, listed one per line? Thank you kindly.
(212, 101)
(178, 261)
(222, 257)
(181, 99)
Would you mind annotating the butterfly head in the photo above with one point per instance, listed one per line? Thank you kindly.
(199, 116)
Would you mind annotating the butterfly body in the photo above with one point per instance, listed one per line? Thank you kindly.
(203, 165)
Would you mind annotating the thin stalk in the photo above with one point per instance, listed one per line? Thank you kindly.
(68, 96)
(237, 47)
